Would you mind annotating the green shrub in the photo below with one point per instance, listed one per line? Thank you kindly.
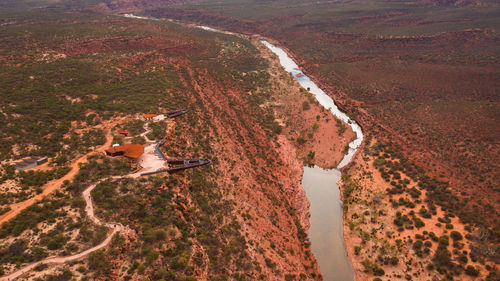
(98, 261)
(444, 240)
(57, 242)
(305, 105)
(141, 268)
(442, 257)
(418, 222)
(471, 270)
(138, 140)
(81, 269)
(455, 235)
(311, 154)
(417, 245)
(357, 250)
(301, 140)
(378, 271)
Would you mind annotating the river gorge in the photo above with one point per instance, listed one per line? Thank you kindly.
(321, 187)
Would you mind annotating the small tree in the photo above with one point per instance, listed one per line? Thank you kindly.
(305, 105)
(455, 235)
(301, 140)
(311, 155)
(471, 270)
(98, 261)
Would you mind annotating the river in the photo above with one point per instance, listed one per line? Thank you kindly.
(322, 190)
(325, 233)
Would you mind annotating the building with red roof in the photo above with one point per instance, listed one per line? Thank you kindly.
(122, 132)
(128, 150)
(149, 116)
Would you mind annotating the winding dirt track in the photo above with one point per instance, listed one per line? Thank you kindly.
(49, 187)
(90, 212)
(149, 159)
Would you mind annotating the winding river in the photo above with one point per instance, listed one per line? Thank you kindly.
(325, 233)
(320, 185)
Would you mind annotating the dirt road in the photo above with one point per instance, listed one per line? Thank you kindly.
(149, 160)
(90, 212)
(49, 187)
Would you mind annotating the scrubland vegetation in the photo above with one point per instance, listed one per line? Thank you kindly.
(426, 71)
(401, 214)
(59, 93)
(420, 76)
(57, 225)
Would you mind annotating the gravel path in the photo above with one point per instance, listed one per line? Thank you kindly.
(149, 161)
(90, 212)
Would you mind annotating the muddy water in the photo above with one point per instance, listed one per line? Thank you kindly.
(321, 187)
(325, 233)
(326, 101)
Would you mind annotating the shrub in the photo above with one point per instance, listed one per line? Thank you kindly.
(81, 269)
(311, 155)
(39, 253)
(471, 270)
(419, 223)
(78, 203)
(56, 242)
(357, 250)
(305, 105)
(40, 267)
(98, 261)
(72, 247)
(455, 235)
(270, 263)
(141, 268)
(341, 127)
(424, 213)
(414, 193)
(139, 140)
(378, 271)
(442, 257)
(301, 140)
(135, 127)
(444, 240)
(368, 264)
(463, 259)
(417, 245)
(118, 140)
